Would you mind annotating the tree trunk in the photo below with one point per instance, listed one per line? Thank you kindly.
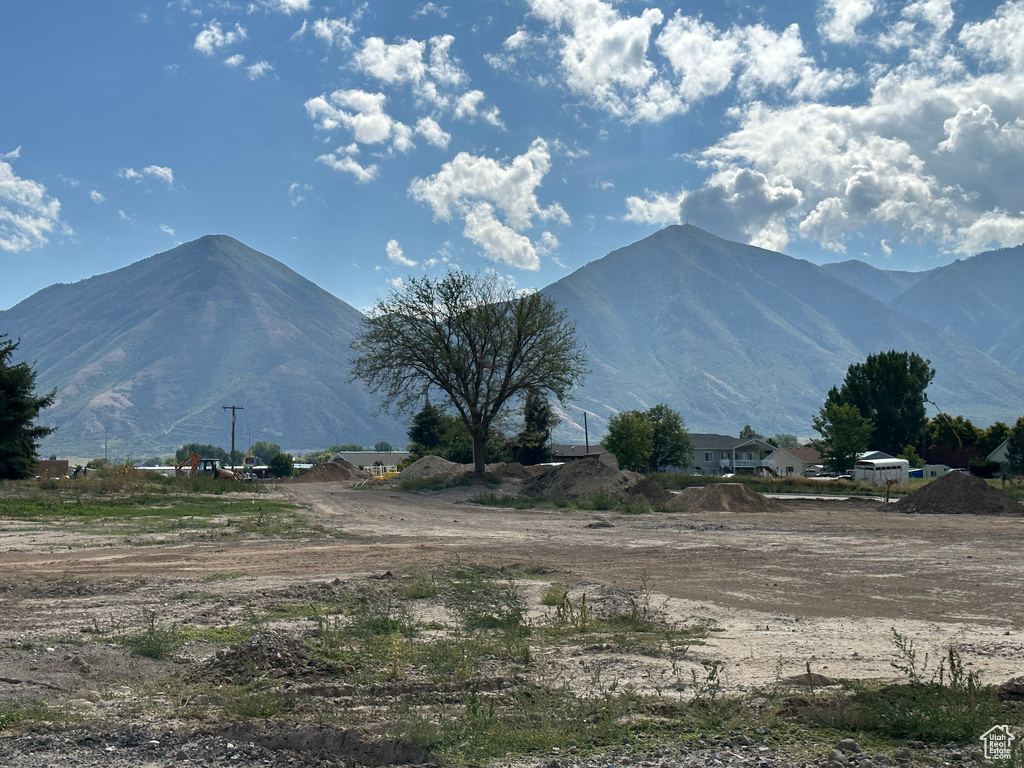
(479, 451)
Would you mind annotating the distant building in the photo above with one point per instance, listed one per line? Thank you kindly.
(795, 461)
(57, 468)
(724, 455)
(999, 454)
(563, 453)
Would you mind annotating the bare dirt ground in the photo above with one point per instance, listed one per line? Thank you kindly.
(822, 585)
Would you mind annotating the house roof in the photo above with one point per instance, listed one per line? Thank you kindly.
(711, 442)
(806, 454)
(999, 454)
(867, 455)
(802, 453)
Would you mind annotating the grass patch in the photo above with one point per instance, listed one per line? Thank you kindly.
(17, 717)
(555, 594)
(154, 642)
(255, 700)
(600, 501)
(420, 585)
(146, 515)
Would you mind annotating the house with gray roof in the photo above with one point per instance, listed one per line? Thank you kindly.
(725, 455)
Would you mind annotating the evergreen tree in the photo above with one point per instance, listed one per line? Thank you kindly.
(1014, 464)
(19, 408)
(538, 421)
(426, 430)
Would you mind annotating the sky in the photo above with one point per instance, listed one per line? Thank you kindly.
(362, 143)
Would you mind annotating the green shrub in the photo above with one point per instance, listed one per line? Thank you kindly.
(154, 642)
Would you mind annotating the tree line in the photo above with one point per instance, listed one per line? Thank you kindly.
(881, 405)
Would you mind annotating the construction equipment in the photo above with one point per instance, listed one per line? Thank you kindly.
(208, 467)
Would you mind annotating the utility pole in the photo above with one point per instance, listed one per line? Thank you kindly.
(233, 408)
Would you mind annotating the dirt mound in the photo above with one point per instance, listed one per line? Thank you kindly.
(514, 471)
(580, 480)
(957, 493)
(722, 497)
(433, 466)
(652, 492)
(337, 470)
(269, 651)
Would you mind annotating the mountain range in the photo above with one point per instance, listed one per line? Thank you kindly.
(145, 358)
(730, 334)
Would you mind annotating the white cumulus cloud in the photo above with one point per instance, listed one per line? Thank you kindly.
(395, 255)
(497, 202)
(27, 213)
(428, 128)
(258, 70)
(334, 31)
(838, 19)
(212, 37)
(158, 172)
(343, 160)
(363, 114)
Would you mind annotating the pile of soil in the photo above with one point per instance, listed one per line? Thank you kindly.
(652, 492)
(722, 497)
(513, 471)
(958, 493)
(432, 466)
(337, 470)
(270, 651)
(580, 480)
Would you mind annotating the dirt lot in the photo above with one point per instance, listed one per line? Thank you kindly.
(822, 584)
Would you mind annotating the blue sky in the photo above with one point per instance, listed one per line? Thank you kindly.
(361, 143)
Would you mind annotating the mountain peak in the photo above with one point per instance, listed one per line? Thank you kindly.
(149, 353)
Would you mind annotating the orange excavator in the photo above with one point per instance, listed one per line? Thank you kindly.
(210, 467)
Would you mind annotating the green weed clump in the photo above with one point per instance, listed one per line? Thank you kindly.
(947, 704)
(154, 642)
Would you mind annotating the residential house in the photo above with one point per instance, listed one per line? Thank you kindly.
(795, 461)
(999, 454)
(723, 455)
